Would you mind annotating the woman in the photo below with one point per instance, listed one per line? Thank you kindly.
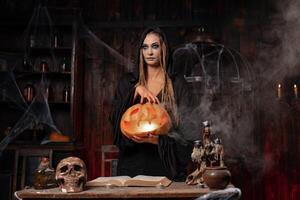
(165, 155)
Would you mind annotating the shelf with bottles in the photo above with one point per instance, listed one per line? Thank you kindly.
(53, 66)
(55, 92)
(55, 38)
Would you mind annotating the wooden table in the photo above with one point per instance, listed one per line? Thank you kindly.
(177, 190)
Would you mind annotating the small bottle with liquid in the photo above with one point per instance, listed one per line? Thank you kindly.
(66, 94)
(29, 92)
(44, 175)
(27, 65)
(32, 40)
(44, 67)
(62, 66)
(49, 93)
(55, 40)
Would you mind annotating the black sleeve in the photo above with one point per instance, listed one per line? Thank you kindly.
(175, 148)
(122, 100)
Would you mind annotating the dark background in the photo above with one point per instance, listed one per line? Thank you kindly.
(239, 24)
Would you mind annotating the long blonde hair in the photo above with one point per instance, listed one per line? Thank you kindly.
(168, 98)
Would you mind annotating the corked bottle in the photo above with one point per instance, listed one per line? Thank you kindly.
(44, 176)
(29, 92)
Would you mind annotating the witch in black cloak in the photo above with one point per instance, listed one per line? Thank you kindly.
(164, 155)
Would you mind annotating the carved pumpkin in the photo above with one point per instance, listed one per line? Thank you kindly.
(140, 119)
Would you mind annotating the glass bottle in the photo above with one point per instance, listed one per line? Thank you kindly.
(63, 65)
(32, 40)
(27, 66)
(44, 67)
(56, 40)
(29, 92)
(49, 93)
(66, 94)
(44, 175)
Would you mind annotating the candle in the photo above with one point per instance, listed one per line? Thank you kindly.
(295, 91)
(147, 127)
(279, 91)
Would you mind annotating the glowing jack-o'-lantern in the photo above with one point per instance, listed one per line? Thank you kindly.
(142, 119)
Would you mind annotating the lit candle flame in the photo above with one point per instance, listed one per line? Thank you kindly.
(149, 127)
(295, 91)
(279, 91)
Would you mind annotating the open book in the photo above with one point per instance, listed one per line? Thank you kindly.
(139, 180)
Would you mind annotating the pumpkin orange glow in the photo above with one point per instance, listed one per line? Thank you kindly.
(140, 119)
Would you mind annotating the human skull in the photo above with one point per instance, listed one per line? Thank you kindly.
(71, 174)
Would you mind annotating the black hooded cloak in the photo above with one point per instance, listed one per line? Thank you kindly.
(172, 154)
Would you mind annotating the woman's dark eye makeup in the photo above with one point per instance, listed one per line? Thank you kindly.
(144, 46)
(154, 46)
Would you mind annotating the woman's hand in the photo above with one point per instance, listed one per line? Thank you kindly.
(145, 94)
(150, 138)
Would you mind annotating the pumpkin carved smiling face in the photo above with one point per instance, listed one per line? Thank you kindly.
(141, 119)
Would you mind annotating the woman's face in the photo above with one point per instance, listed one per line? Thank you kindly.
(151, 49)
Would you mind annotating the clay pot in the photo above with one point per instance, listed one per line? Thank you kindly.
(216, 177)
(142, 119)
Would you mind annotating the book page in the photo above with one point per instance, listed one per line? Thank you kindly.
(142, 180)
(114, 180)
